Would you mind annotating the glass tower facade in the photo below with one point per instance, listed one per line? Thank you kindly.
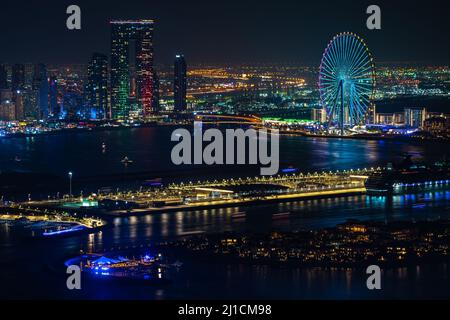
(53, 91)
(415, 117)
(40, 83)
(97, 86)
(155, 103)
(3, 77)
(179, 83)
(18, 77)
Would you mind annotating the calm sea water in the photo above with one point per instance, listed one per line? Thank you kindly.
(27, 266)
(149, 149)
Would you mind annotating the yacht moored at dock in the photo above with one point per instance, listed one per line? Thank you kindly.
(409, 177)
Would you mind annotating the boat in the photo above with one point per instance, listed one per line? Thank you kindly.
(156, 182)
(60, 232)
(408, 176)
(239, 215)
(421, 203)
(177, 264)
(281, 215)
(126, 161)
(289, 169)
(19, 222)
(146, 269)
(190, 233)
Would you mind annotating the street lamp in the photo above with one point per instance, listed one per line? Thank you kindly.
(70, 184)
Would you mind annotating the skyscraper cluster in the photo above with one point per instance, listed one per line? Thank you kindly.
(126, 85)
(26, 95)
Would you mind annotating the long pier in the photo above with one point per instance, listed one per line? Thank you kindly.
(216, 193)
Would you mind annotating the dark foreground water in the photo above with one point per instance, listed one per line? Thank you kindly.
(27, 266)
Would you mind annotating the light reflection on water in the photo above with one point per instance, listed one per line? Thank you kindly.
(316, 213)
(149, 150)
(200, 278)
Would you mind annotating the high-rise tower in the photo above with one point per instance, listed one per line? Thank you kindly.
(179, 83)
(155, 97)
(97, 86)
(53, 93)
(125, 33)
(18, 77)
(40, 83)
(18, 87)
(3, 77)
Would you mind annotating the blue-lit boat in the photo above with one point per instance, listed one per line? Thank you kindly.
(281, 215)
(155, 182)
(147, 269)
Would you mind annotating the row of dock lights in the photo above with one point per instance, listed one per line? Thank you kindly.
(399, 185)
(234, 181)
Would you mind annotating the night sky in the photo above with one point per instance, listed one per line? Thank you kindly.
(228, 31)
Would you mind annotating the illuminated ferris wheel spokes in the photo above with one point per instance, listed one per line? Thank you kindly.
(346, 80)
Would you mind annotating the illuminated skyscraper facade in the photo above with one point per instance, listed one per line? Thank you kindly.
(124, 34)
(155, 103)
(415, 117)
(31, 94)
(18, 87)
(53, 93)
(97, 86)
(18, 77)
(40, 83)
(7, 107)
(3, 77)
(179, 83)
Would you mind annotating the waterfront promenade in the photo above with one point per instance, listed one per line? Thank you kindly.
(213, 194)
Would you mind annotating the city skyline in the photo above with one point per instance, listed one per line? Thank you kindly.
(235, 150)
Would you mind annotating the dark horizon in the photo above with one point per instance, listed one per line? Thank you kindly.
(232, 33)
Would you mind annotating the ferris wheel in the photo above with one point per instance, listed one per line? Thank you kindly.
(346, 80)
